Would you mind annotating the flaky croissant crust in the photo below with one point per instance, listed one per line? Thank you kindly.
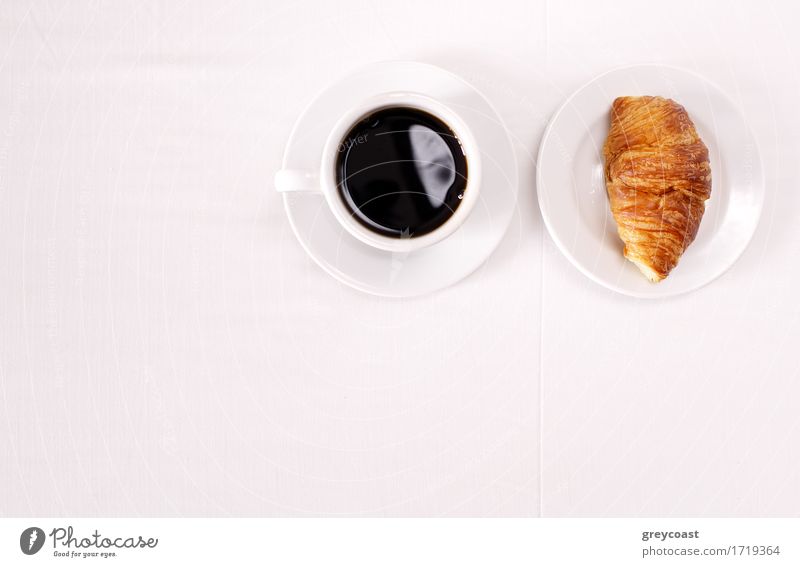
(658, 178)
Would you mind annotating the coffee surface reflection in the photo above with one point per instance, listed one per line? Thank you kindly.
(401, 172)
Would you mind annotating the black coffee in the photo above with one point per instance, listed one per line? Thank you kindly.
(401, 172)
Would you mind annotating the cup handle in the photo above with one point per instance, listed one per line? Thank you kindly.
(297, 180)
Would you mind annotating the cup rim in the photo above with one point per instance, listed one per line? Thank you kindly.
(428, 104)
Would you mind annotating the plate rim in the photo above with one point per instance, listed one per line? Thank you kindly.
(344, 277)
(759, 183)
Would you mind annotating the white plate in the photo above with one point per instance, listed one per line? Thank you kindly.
(571, 186)
(439, 265)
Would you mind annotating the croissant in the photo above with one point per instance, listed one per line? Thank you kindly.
(658, 179)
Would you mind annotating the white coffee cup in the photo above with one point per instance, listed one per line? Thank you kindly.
(325, 179)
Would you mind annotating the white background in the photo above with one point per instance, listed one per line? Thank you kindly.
(167, 348)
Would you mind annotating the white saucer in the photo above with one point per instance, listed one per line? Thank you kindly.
(571, 185)
(442, 264)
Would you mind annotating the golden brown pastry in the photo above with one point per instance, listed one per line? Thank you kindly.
(658, 179)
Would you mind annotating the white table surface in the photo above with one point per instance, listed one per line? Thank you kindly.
(167, 348)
